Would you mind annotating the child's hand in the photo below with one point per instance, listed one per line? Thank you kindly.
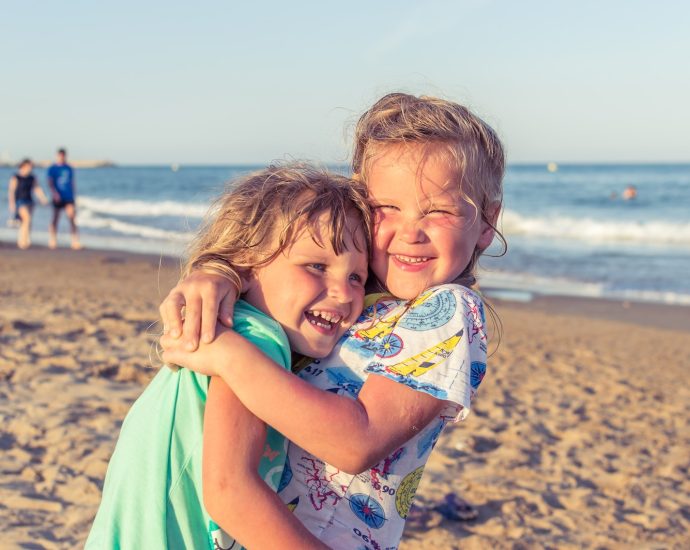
(206, 299)
(204, 360)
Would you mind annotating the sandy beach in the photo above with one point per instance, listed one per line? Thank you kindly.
(580, 437)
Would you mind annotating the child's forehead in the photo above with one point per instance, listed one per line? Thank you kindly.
(431, 180)
(413, 154)
(426, 163)
(320, 232)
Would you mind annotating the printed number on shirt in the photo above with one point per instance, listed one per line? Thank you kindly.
(314, 371)
(385, 488)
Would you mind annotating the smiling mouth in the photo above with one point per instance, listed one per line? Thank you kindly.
(411, 259)
(323, 319)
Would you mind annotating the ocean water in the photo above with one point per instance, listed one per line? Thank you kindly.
(566, 234)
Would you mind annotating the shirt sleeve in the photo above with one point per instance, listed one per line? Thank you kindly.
(436, 345)
(267, 335)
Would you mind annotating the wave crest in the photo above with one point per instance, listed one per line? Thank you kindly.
(142, 208)
(592, 230)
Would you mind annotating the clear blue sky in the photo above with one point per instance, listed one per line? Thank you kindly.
(241, 82)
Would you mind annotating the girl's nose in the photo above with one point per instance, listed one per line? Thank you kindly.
(340, 291)
(410, 231)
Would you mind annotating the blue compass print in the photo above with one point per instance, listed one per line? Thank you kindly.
(430, 311)
(389, 346)
(368, 510)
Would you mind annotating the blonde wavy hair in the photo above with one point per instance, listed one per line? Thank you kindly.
(259, 216)
(466, 142)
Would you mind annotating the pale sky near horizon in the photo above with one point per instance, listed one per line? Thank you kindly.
(222, 83)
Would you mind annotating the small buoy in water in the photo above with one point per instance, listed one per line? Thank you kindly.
(552, 167)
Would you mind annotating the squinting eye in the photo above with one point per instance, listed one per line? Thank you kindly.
(318, 267)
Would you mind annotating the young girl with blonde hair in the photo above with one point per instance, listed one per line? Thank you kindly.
(362, 422)
(192, 465)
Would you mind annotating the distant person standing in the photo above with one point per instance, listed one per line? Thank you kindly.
(61, 184)
(21, 200)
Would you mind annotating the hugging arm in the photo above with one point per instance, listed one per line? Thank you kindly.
(235, 496)
(351, 434)
(207, 298)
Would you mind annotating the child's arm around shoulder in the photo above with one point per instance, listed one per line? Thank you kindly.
(235, 496)
(206, 298)
(351, 434)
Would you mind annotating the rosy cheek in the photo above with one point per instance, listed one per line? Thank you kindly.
(446, 222)
(379, 218)
(378, 251)
(384, 231)
(386, 223)
(381, 228)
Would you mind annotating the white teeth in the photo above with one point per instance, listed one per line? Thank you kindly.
(411, 259)
(326, 316)
(322, 325)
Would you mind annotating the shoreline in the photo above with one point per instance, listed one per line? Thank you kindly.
(658, 315)
(579, 436)
(640, 312)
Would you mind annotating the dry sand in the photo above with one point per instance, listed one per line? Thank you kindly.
(580, 436)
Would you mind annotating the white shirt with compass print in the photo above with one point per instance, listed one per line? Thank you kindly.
(437, 345)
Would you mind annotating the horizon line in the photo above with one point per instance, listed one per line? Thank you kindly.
(90, 164)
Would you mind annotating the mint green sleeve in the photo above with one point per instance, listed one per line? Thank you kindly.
(269, 337)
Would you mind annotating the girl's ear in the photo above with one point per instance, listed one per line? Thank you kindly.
(489, 219)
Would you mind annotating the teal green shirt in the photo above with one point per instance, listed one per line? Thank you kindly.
(152, 496)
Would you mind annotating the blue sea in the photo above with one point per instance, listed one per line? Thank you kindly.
(566, 234)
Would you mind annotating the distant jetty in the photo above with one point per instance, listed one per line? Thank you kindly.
(74, 163)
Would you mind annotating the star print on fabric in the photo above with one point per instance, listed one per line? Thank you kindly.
(269, 453)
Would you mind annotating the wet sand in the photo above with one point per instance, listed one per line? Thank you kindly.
(580, 437)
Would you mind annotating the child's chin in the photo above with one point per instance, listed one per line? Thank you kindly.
(407, 292)
(315, 353)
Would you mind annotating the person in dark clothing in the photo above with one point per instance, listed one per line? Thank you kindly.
(22, 185)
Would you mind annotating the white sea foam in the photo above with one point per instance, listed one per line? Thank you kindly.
(587, 229)
(142, 208)
(88, 219)
(524, 282)
(520, 286)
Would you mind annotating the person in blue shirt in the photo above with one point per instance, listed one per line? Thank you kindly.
(62, 187)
